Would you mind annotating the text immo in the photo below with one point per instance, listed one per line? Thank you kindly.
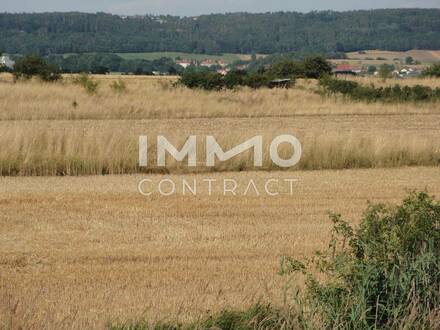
(215, 151)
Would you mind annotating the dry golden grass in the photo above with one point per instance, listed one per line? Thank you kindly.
(153, 98)
(59, 129)
(78, 252)
(430, 82)
(111, 147)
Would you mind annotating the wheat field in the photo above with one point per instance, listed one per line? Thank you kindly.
(79, 252)
(79, 249)
(59, 129)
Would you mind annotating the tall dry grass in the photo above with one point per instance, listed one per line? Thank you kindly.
(60, 129)
(148, 98)
(36, 151)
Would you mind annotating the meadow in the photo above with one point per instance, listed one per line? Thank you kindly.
(79, 249)
(228, 58)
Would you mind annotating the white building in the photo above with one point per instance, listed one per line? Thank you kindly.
(184, 63)
(6, 61)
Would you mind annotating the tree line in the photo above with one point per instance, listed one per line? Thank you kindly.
(268, 33)
(106, 63)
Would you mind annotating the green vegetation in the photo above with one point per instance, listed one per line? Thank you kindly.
(228, 58)
(386, 70)
(256, 317)
(432, 71)
(119, 86)
(243, 33)
(34, 66)
(104, 63)
(395, 94)
(311, 67)
(87, 83)
(384, 274)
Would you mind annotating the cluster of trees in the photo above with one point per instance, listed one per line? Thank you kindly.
(268, 33)
(50, 69)
(394, 94)
(34, 66)
(311, 67)
(105, 63)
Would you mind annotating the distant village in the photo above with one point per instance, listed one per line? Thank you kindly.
(403, 72)
(222, 67)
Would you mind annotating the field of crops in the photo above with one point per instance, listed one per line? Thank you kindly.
(79, 249)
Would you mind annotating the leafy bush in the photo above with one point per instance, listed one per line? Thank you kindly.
(285, 68)
(432, 71)
(235, 78)
(213, 81)
(202, 80)
(258, 80)
(370, 93)
(87, 83)
(316, 67)
(312, 67)
(34, 66)
(384, 274)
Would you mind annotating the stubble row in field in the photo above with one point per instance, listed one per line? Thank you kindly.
(79, 252)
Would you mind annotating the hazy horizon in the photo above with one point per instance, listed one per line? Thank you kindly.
(200, 7)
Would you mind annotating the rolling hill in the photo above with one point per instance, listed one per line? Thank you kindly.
(237, 33)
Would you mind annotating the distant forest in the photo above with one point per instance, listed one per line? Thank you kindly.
(324, 32)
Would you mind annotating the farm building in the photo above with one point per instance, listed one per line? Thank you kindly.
(6, 61)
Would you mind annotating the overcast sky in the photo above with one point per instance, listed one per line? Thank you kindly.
(197, 7)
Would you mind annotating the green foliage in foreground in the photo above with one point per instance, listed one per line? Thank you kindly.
(384, 274)
(256, 317)
(394, 94)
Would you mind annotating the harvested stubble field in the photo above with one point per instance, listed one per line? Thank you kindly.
(77, 252)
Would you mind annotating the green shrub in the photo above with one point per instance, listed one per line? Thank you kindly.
(257, 80)
(202, 80)
(311, 67)
(287, 68)
(235, 79)
(34, 66)
(394, 94)
(86, 82)
(213, 81)
(385, 274)
(316, 67)
(432, 71)
(119, 86)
